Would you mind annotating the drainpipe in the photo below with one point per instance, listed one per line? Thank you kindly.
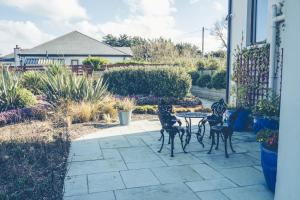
(229, 16)
(275, 21)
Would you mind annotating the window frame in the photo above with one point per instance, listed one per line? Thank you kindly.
(253, 27)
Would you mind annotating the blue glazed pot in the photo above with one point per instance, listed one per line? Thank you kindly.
(241, 121)
(260, 123)
(269, 166)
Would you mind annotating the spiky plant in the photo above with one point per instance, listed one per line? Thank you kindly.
(67, 86)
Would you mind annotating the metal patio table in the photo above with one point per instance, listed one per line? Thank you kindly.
(201, 126)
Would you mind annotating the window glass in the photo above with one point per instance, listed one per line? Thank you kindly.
(260, 20)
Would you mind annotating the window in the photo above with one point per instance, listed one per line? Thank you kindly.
(259, 21)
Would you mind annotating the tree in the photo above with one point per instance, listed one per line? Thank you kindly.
(110, 40)
(220, 31)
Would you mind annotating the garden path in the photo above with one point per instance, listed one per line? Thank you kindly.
(122, 163)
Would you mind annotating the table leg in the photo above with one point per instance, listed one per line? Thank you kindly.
(188, 132)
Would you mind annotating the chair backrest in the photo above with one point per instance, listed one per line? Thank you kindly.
(218, 108)
(165, 114)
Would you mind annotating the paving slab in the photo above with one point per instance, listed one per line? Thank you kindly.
(213, 184)
(97, 166)
(179, 159)
(206, 171)
(114, 142)
(138, 154)
(257, 192)
(175, 174)
(147, 164)
(244, 176)
(212, 195)
(96, 196)
(177, 191)
(105, 182)
(75, 185)
(139, 178)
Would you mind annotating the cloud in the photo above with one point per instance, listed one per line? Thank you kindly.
(23, 33)
(194, 1)
(147, 18)
(53, 9)
(218, 6)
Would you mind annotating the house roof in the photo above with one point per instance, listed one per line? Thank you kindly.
(126, 50)
(76, 43)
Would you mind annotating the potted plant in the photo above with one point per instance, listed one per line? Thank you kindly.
(125, 107)
(242, 119)
(269, 148)
(266, 114)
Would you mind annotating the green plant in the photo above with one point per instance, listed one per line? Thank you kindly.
(26, 98)
(195, 76)
(67, 86)
(157, 81)
(146, 109)
(269, 107)
(96, 62)
(32, 81)
(219, 80)
(213, 64)
(12, 96)
(204, 80)
(201, 65)
(125, 104)
(269, 138)
(83, 112)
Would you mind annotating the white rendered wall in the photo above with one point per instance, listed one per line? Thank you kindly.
(288, 174)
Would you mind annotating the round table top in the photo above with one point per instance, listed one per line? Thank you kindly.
(193, 114)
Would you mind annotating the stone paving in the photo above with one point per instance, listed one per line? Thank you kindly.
(122, 163)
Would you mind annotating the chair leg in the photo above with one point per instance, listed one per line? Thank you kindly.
(181, 140)
(172, 137)
(162, 130)
(187, 139)
(230, 142)
(218, 139)
(163, 140)
(225, 141)
(212, 135)
(169, 140)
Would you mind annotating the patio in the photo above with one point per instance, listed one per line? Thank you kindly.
(122, 163)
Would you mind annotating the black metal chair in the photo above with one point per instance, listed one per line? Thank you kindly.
(218, 109)
(170, 124)
(225, 131)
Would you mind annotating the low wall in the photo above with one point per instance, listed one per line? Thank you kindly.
(211, 94)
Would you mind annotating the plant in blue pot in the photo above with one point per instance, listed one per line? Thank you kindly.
(266, 114)
(269, 148)
(242, 120)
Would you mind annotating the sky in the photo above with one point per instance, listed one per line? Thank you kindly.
(28, 23)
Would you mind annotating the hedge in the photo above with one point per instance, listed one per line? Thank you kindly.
(157, 81)
(204, 80)
(219, 80)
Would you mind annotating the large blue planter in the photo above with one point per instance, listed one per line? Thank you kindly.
(241, 121)
(260, 123)
(269, 166)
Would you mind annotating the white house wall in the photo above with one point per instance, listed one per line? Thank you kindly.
(80, 58)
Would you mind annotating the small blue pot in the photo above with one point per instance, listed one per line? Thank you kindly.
(260, 123)
(269, 166)
(241, 121)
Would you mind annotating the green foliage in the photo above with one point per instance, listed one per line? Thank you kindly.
(219, 80)
(213, 64)
(195, 76)
(201, 65)
(96, 62)
(269, 107)
(132, 62)
(269, 138)
(26, 98)
(162, 81)
(204, 80)
(12, 96)
(67, 86)
(146, 109)
(32, 81)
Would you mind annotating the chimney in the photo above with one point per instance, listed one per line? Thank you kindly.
(17, 51)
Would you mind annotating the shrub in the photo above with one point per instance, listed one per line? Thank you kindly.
(26, 98)
(32, 81)
(83, 112)
(201, 65)
(67, 86)
(195, 76)
(219, 80)
(146, 109)
(204, 80)
(162, 81)
(213, 64)
(12, 96)
(96, 62)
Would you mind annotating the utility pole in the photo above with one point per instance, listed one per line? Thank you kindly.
(203, 41)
